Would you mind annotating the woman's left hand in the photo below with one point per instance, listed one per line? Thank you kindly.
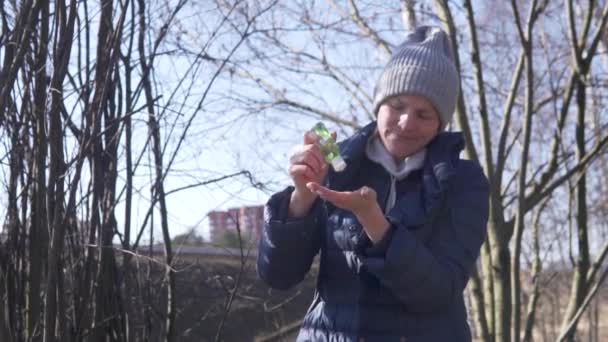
(358, 202)
(361, 202)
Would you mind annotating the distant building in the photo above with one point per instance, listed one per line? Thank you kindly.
(249, 218)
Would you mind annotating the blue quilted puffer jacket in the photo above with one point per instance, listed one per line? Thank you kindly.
(408, 286)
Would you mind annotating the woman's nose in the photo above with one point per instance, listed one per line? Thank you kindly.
(405, 121)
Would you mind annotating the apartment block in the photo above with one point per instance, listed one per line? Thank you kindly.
(249, 219)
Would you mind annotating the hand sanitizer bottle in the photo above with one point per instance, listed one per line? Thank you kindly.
(329, 147)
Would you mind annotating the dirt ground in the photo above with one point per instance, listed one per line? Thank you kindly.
(204, 289)
(257, 313)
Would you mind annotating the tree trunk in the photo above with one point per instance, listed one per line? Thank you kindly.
(39, 226)
(159, 190)
(581, 268)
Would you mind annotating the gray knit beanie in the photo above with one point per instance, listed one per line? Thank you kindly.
(422, 65)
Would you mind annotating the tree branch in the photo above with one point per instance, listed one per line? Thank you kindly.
(363, 26)
(445, 15)
(408, 14)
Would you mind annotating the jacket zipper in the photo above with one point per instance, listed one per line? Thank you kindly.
(391, 186)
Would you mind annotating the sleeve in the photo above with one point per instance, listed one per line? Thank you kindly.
(287, 246)
(429, 277)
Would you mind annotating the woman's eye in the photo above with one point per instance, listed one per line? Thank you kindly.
(398, 106)
(425, 116)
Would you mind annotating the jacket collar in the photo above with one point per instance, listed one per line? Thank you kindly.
(353, 148)
(419, 207)
(441, 158)
(443, 154)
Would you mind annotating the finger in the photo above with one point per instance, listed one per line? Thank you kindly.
(367, 193)
(308, 158)
(335, 197)
(318, 155)
(316, 158)
(311, 174)
(315, 152)
(304, 170)
(311, 160)
(313, 186)
(299, 153)
(301, 171)
(310, 138)
(319, 190)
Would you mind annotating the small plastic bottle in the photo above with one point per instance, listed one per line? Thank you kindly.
(329, 147)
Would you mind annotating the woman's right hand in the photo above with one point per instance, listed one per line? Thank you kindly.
(306, 164)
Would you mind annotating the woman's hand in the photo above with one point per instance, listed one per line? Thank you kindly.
(362, 203)
(306, 164)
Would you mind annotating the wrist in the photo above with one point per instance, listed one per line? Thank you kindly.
(374, 223)
(300, 202)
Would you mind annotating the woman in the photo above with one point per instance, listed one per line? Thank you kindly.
(400, 229)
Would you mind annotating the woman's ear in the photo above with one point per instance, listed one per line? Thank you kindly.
(375, 133)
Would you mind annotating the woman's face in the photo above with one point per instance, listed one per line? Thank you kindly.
(406, 123)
